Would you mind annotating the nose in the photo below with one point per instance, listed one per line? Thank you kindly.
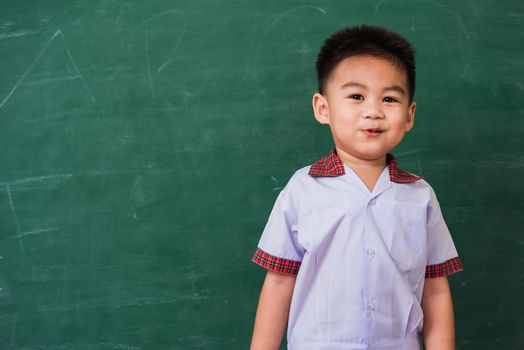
(372, 110)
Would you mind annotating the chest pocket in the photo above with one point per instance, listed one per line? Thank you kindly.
(409, 238)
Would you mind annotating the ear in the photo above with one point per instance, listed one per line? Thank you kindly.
(321, 109)
(411, 117)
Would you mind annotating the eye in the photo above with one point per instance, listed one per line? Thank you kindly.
(356, 97)
(390, 99)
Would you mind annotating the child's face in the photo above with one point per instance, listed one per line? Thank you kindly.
(366, 104)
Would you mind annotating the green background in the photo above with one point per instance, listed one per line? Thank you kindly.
(143, 144)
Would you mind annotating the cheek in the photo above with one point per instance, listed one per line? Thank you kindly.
(345, 116)
(344, 126)
(399, 121)
(341, 129)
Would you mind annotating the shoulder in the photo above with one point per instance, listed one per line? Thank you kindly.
(419, 191)
(300, 184)
(302, 173)
(298, 180)
(424, 186)
(419, 185)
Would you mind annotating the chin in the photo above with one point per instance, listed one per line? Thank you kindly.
(370, 153)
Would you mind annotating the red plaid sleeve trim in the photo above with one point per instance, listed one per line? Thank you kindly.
(274, 263)
(444, 269)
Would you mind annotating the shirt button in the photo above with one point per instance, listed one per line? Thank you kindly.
(372, 201)
(371, 253)
(371, 304)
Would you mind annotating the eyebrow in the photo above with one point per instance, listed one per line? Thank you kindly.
(395, 87)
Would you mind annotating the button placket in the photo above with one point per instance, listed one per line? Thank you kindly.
(370, 303)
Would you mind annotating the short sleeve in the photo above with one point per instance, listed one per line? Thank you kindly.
(443, 258)
(278, 249)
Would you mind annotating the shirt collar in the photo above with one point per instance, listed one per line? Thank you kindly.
(331, 166)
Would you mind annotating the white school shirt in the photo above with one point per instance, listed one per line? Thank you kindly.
(360, 257)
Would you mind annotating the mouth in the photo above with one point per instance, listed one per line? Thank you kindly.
(372, 132)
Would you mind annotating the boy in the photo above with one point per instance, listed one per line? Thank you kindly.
(357, 250)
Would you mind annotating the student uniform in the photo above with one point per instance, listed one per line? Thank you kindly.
(360, 257)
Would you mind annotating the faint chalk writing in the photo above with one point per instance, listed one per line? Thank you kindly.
(38, 57)
(13, 211)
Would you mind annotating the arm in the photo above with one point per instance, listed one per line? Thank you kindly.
(273, 311)
(439, 328)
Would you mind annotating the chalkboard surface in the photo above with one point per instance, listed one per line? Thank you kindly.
(143, 144)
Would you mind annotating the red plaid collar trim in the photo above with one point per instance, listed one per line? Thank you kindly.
(331, 166)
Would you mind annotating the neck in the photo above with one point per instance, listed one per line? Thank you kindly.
(354, 162)
(368, 170)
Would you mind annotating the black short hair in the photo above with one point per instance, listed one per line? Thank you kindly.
(365, 40)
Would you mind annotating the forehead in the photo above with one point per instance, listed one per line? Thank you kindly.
(368, 70)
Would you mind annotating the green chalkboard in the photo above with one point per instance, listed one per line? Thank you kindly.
(143, 144)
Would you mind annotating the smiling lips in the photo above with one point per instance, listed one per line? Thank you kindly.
(372, 132)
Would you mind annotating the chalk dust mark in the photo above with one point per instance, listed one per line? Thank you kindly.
(465, 31)
(50, 116)
(119, 16)
(458, 19)
(46, 19)
(380, 4)
(413, 151)
(45, 81)
(13, 331)
(150, 77)
(160, 14)
(173, 51)
(274, 22)
(30, 233)
(167, 63)
(40, 230)
(29, 69)
(119, 346)
(276, 183)
(201, 61)
(205, 79)
(170, 105)
(13, 211)
(69, 70)
(16, 34)
(76, 68)
(36, 179)
(38, 57)
(285, 13)
(8, 24)
(169, 60)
